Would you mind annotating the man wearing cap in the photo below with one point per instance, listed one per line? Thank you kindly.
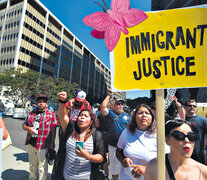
(76, 104)
(117, 121)
(40, 125)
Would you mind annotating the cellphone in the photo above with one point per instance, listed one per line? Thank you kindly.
(80, 143)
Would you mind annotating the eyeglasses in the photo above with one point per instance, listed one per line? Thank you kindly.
(180, 136)
(120, 104)
(191, 105)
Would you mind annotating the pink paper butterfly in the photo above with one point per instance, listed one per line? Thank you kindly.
(109, 25)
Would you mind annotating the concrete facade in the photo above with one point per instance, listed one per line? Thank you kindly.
(33, 38)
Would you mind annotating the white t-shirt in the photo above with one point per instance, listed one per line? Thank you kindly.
(140, 147)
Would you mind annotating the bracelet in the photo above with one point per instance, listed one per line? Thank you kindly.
(88, 158)
(63, 102)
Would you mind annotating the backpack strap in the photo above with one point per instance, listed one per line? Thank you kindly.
(169, 169)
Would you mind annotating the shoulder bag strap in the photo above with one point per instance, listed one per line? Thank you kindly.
(169, 169)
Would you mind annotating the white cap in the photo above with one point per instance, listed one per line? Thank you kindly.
(80, 96)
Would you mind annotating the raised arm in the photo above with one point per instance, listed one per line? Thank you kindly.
(105, 102)
(180, 109)
(179, 106)
(62, 112)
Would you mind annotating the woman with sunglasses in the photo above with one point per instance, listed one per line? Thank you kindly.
(81, 149)
(180, 135)
(137, 144)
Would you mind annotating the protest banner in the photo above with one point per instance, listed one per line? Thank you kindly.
(167, 50)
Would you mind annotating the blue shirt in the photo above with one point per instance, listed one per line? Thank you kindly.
(116, 124)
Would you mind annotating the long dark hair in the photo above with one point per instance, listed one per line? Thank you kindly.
(133, 125)
(93, 117)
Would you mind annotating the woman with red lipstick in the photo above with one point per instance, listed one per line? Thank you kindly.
(73, 161)
(137, 144)
(180, 136)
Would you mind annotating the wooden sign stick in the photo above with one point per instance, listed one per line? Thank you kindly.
(160, 118)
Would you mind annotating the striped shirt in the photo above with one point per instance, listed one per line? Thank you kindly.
(76, 167)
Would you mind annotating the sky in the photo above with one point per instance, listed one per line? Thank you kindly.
(71, 13)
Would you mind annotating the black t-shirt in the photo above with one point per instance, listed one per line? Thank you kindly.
(201, 125)
(103, 123)
(33, 140)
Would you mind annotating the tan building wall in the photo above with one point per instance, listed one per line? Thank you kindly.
(33, 38)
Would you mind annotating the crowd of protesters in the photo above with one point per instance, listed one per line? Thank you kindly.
(108, 139)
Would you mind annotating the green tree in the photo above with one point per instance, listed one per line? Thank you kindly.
(50, 86)
(27, 85)
(19, 85)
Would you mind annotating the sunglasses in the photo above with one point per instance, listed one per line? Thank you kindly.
(180, 136)
(119, 104)
(191, 105)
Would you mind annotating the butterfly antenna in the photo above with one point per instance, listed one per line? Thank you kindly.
(104, 9)
(105, 4)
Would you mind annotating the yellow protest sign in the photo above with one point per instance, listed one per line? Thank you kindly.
(167, 50)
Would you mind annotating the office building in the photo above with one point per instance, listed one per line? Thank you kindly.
(31, 37)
